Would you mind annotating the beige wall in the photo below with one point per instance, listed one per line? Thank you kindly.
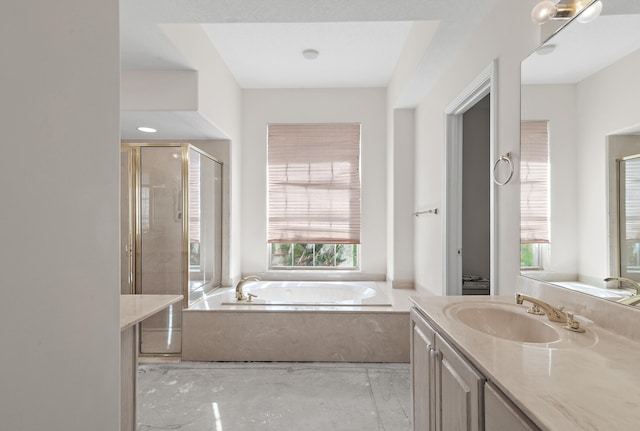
(59, 241)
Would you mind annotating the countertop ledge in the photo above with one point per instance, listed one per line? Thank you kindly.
(566, 387)
(136, 308)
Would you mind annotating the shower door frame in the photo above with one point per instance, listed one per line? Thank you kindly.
(135, 219)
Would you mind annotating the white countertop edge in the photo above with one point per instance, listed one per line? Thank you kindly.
(136, 308)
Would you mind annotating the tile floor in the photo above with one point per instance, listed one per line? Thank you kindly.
(279, 396)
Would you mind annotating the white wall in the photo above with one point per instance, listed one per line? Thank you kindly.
(607, 104)
(400, 150)
(220, 101)
(557, 104)
(59, 241)
(508, 35)
(365, 106)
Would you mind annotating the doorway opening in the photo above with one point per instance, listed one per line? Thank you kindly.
(469, 222)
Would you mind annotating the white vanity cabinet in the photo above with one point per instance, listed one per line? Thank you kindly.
(447, 390)
(501, 414)
(422, 373)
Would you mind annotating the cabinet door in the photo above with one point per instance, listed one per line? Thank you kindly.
(422, 348)
(501, 414)
(460, 389)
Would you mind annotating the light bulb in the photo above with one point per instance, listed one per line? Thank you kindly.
(544, 11)
(590, 13)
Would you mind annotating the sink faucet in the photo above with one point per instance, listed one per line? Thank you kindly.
(555, 314)
(239, 295)
(620, 280)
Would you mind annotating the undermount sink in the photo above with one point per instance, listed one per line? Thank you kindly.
(510, 322)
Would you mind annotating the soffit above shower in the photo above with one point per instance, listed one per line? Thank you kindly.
(168, 101)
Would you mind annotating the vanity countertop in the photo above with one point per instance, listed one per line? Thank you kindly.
(136, 308)
(570, 386)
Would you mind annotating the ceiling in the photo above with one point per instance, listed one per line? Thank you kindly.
(359, 41)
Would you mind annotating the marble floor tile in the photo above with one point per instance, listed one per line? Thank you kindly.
(210, 396)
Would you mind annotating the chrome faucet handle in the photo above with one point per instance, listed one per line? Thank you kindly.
(572, 324)
(250, 297)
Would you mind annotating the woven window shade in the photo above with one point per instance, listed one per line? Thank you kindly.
(194, 196)
(314, 183)
(632, 200)
(534, 182)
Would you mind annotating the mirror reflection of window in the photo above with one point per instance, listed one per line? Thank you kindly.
(629, 225)
(534, 193)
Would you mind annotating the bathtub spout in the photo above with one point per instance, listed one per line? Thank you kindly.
(239, 295)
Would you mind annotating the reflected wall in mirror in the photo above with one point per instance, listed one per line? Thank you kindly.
(584, 84)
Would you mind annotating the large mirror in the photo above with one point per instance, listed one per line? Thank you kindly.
(580, 113)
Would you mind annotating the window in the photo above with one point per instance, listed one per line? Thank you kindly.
(534, 193)
(325, 256)
(314, 195)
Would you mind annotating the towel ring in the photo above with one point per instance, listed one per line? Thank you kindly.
(507, 159)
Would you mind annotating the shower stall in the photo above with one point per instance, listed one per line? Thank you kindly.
(171, 232)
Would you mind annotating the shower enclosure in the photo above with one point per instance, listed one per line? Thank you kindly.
(171, 232)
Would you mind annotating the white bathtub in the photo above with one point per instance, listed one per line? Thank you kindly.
(304, 293)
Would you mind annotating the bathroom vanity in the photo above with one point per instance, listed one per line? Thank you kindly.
(484, 363)
(133, 310)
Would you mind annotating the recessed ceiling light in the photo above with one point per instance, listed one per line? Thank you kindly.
(147, 129)
(310, 54)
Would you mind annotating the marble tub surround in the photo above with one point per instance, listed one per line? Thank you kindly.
(621, 319)
(564, 386)
(299, 335)
(217, 332)
(199, 396)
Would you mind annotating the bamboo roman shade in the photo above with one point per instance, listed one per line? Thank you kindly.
(194, 196)
(631, 175)
(314, 183)
(534, 182)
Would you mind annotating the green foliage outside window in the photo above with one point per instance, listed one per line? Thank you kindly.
(314, 255)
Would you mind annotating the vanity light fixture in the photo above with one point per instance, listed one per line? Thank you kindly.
(591, 13)
(147, 129)
(310, 54)
(547, 10)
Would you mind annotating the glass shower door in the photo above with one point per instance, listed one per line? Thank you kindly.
(205, 224)
(629, 214)
(159, 264)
